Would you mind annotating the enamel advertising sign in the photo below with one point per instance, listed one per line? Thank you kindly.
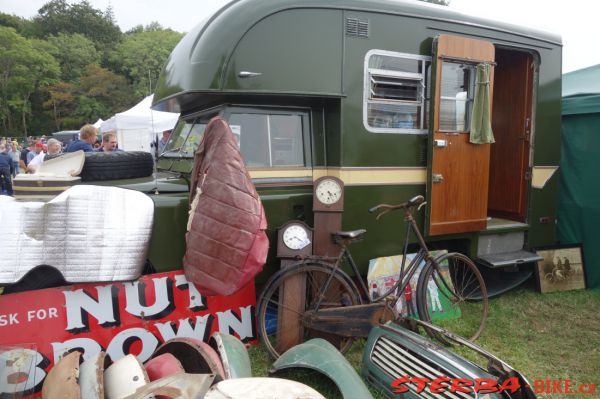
(38, 327)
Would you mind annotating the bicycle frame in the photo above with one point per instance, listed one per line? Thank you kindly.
(403, 277)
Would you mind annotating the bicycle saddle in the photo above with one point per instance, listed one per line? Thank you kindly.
(349, 235)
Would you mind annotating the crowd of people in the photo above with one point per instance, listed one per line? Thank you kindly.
(27, 157)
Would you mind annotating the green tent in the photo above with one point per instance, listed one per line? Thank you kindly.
(579, 201)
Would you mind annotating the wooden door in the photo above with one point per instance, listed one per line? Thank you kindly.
(511, 117)
(459, 170)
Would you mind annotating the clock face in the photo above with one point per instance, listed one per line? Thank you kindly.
(328, 191)
(295, 237)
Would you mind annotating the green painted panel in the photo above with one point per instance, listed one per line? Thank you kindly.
(294, 51)
(384, 236)
(167, 245)
(544, 206)
(386, 32)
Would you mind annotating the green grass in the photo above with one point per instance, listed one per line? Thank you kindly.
(544, 336)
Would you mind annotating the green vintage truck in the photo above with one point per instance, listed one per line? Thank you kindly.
(378, 93)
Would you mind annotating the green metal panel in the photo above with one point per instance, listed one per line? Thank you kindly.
(386, 32)
(234, 355)
(319, 355)
(385, 236)
(167, 245)
(200, 60)
(304, 55)
(543, 204)
(282, 204)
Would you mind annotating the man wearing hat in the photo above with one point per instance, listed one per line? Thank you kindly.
(37, 149)
(53, 147)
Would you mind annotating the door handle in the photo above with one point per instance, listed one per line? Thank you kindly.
(437, 178)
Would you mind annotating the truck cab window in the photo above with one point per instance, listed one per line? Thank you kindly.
(396, 97)
(178, 136)
(269, 139)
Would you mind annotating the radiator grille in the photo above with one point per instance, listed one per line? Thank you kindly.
(357, 27)
(397, 361)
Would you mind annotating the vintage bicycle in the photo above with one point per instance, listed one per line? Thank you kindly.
(315, 297)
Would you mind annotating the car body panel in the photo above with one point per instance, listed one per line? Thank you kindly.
(319, 355)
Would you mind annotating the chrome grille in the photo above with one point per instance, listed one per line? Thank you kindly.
(397, 361)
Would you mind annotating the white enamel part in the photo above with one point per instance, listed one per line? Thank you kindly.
(124, 377)
(328, 191)
(295, 237)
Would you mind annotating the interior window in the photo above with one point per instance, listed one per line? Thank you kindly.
(456, 96)
(268, 140)
(396, 96)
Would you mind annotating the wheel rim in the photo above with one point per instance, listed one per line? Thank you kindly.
(283, 325)
(460, 305)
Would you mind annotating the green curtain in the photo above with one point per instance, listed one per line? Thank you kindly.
(481, 120)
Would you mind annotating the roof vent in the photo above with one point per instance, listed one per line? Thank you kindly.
(357, 27)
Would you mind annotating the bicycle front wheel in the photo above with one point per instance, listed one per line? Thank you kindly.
(452, 295)
(295, 290)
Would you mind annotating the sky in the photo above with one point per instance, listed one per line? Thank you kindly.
(573, 20)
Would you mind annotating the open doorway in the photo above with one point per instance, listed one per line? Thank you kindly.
(479, 187)
(512, 126)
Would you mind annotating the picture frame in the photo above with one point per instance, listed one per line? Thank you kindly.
(561, 269)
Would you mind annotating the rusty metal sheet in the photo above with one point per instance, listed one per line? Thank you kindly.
(124, 377)
(234, 356)
(262, 388)
(195, 356)
(91, 376)
(62, 381)
(178, 386)
(319, 355)
(163, 366)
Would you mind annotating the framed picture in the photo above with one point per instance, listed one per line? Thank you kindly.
(561, 268)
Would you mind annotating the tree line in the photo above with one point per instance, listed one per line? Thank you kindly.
(70, 64)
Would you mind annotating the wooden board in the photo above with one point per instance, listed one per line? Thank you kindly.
(459, 203)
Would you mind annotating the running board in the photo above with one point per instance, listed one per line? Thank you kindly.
(508, 258)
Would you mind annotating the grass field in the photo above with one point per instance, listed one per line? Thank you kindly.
(544, 336)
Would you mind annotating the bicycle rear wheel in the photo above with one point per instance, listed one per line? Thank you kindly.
(452, 295)
(295, 290)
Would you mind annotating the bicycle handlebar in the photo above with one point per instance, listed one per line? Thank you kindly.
(419, 201)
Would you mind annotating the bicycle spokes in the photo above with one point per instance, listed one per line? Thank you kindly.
(453, 296)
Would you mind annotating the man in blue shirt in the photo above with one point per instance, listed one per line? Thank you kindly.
(6, 170)
(109, 143)
(87, 138)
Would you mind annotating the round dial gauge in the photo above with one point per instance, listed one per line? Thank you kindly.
(328, 191)
(295, 237)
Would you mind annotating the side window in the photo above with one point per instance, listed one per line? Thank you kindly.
(456, 96)
(396, 93)
(270, 139)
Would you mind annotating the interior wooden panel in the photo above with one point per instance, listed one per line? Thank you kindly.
(459, 203)
(510, 153)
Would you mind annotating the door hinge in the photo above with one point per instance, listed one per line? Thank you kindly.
(528, 175)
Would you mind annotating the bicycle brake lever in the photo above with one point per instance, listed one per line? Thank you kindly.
(381, 214)
(421, 205)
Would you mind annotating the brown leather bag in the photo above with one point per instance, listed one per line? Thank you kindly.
(226, 244)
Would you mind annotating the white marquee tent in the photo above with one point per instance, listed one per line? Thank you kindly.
(138, 127)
